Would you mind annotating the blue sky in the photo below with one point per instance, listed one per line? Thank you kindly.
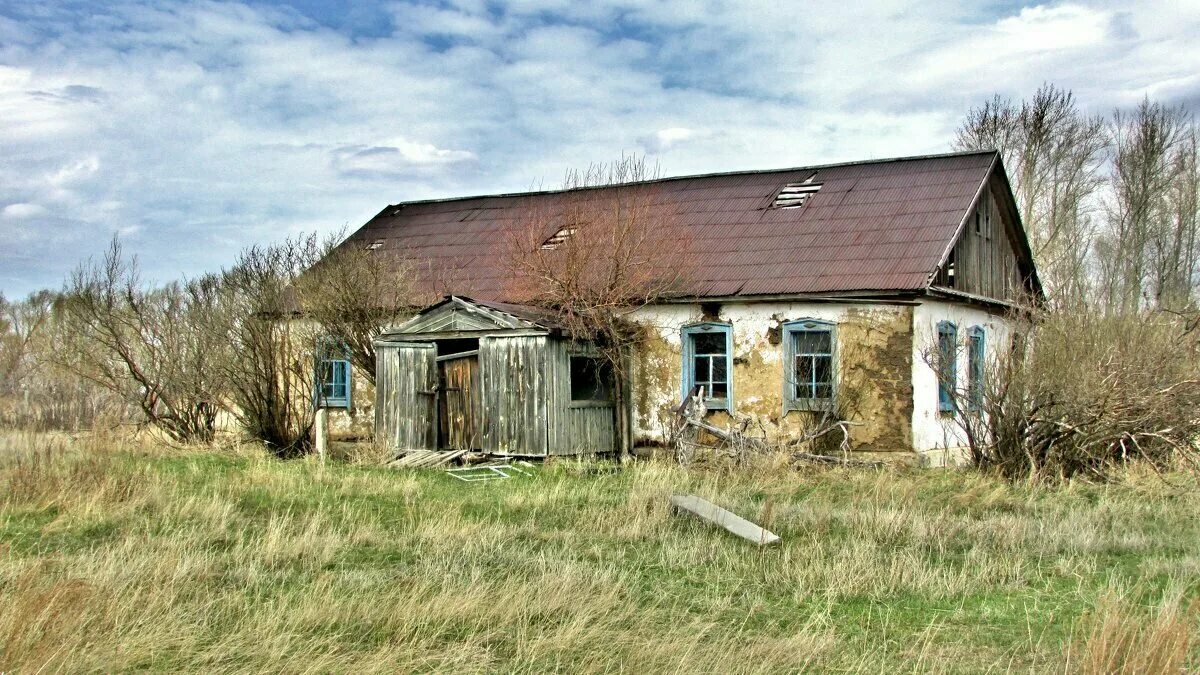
(192, 130)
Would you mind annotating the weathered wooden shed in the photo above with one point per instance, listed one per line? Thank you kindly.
(494, 377)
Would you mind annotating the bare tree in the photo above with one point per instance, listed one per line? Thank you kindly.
(1146, 164)
(271, 370)
(1175, 243)
(596, 253)
(353, 293)
(1053, 152)
(148, 346)
(20, 324)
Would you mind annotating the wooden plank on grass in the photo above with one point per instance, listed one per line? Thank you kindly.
(706, 510)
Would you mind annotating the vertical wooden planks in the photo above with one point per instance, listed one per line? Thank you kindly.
(406, 374)
(514, 394)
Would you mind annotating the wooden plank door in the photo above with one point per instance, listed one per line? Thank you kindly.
(458, 412)
(405, 392)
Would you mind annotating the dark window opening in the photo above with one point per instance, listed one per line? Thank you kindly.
(707, 363)
(456, 346)
(591, 379)
(710, 365)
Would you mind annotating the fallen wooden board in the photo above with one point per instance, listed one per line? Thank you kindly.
(426, 458)
(716, 515)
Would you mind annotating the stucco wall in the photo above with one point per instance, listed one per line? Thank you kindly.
(936, 435)
(874, 368)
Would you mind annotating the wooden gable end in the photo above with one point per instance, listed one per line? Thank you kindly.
(990, 257)
(459, 315)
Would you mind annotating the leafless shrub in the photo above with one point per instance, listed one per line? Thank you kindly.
(34, 393)
(594, 256)
(1089, 392)
(353, 293)
(270, 372)
(147, 346)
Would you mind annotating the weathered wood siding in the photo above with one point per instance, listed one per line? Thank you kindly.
(515, 394)
(574, 428)
(984, 258)
(406, 374)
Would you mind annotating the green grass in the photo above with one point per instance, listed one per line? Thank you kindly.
(119, 556)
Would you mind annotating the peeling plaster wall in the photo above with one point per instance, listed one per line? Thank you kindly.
(936, 435)
(874, 364)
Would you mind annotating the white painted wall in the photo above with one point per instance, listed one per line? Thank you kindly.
(935, 434)
(751, 323)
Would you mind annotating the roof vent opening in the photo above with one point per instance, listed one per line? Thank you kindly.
(557, 238)
(374, 246)
(795, 195)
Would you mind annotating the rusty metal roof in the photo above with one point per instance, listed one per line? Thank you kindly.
(881, 225)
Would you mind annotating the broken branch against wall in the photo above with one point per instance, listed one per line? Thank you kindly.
(595, 256)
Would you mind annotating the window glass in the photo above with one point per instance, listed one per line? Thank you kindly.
(812, 374)
(708, 362)
(333, 375)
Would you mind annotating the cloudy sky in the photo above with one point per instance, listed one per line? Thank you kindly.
(192, 130)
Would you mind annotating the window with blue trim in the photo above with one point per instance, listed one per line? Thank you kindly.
(708, 363)
(809, 366)
(333, 375)
(947, 366)
(975, 367)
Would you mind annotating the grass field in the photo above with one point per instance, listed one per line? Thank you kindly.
(118, 556)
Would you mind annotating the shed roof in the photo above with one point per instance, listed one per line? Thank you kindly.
(881, 225)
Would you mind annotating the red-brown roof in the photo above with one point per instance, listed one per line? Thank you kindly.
(873, 226)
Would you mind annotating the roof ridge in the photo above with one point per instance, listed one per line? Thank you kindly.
(715, 174)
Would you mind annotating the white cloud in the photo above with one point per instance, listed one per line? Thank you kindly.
(21, 211)
(664, 139)
(206, 126)
(395, 157)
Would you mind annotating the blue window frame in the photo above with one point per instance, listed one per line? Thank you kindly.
(809, 369)
(976, 354)
(708, 363)
(333, 375)
(947, 366)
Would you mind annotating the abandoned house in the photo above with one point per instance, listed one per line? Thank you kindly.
(876, 291)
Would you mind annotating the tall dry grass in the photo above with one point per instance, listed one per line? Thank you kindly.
(119, 555)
